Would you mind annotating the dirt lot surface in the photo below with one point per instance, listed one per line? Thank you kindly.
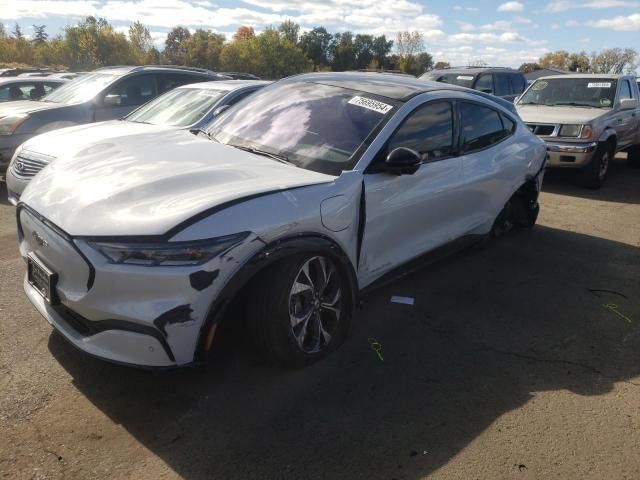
(509, 365)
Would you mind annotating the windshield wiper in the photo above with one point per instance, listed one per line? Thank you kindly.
(255, 151)
(575, 104)
(198, 131)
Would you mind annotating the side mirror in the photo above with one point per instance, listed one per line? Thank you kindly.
(517, 99)
(403, 161)
(487, 90)
(628, 103)
(219, 110)
(113, 100)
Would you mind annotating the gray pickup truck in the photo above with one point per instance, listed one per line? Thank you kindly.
(585, 119)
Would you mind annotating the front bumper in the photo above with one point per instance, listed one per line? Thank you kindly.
(15, 187)
(128, 314)
(570, 155)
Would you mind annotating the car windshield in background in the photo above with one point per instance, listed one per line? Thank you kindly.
(459, 79)
(314, 126)
(81, 89)
(177, 108)
(577, 92)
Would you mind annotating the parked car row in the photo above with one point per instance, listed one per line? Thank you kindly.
(279, 202)
(584, 119)
(105, 94)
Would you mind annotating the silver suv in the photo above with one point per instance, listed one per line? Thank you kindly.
(585, 119)
(105, 94)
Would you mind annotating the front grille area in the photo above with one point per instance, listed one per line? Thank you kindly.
(541, 129)
(27, 165)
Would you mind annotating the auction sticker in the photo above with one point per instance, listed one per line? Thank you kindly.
(464, 77)
(599, 85)
(370, 104)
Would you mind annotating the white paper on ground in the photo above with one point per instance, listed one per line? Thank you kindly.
(403, 300)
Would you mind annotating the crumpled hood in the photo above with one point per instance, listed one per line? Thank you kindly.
(558, 114)
(149, 183)
(24, 106)
(71, 140)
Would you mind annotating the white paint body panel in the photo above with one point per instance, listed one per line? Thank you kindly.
(150, 183)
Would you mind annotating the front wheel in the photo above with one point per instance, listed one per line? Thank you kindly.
(301, 310)
(594, 174)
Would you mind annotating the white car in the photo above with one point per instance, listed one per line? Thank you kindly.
(289, 205)
(189, 107)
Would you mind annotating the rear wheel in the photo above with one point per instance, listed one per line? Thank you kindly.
(301, 310)
(519, 213)
(594, 174)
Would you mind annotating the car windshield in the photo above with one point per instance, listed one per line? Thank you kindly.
(81, 89)
(577, 92)
(314, 126)
(459, 79)
(177, 108)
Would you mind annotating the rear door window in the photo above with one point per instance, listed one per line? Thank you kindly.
(485, 83)
(518, 83)
(503, 87)
(169, 81)
(135, 90)
(481, 127)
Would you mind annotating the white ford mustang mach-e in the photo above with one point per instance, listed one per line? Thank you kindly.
(291, 203)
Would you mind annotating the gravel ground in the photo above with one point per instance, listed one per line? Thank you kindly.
(508, 366)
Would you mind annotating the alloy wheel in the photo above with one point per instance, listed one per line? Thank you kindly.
(315, 303)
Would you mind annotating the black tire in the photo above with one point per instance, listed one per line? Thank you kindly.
(594, 174)
(633, 156)
(272, 309)
(516, 214)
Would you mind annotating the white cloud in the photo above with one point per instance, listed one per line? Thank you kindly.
(511, 7)
(620, 23)
(563, 5)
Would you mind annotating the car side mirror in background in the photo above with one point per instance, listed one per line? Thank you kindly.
(403, 161)
(628, 103)
(515, 100)
(113, 100)
(219, 110)
(487, 90)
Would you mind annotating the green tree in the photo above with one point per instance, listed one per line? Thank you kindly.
(277, 56)
(579, 62)
(423, 63)
(17, 32)
(558, 59)
(141, 43)
(239, 56)
(529, 67)
(363, 50)
(315, 44)
(343, 55)
(39, 35)
(614, 60)
(290, 30)
(381, 49)
(204, 48)
(409, 45)
(94, 43)
(175, 46)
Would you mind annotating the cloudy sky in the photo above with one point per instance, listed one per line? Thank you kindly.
(458, 31)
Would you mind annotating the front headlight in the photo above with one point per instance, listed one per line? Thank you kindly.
(9, 124)
(570, 131)
(167, 253)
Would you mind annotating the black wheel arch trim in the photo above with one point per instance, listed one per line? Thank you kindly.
(268, 255)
